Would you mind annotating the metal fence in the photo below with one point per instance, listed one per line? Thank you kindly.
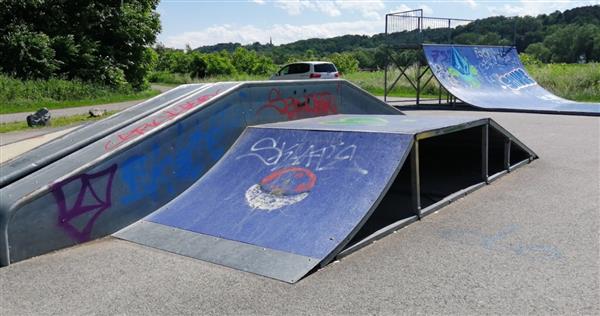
(407, 31)
(412, 24)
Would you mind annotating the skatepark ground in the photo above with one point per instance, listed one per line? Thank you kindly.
(527, 243)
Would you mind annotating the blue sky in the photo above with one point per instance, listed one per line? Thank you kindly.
(207, 22)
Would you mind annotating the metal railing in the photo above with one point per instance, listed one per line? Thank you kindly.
(407, 30)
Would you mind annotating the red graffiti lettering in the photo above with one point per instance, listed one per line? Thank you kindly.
(157, 120)
(312, 104)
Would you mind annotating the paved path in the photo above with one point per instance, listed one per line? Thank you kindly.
(21, 117)
(526, 244)
(25, 142)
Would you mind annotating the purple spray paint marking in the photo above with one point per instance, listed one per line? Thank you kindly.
(89, 201)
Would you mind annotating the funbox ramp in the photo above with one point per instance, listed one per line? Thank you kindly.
(493, 77)
(289, 197)
(105, 183)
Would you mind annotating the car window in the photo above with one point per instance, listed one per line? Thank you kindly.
(284, 71)
(325, 68)
(299, 68)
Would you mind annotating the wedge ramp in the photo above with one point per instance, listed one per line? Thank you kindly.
(290, 197)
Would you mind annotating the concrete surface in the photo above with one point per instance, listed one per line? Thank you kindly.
(526, 244)
(119, 106)
(22, 143)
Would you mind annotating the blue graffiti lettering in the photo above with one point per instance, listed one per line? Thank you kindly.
(517, 79)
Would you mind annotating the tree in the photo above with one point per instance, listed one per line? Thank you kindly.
(26, 54)
(539, 52)
(94, 40)
(345, 62)
(198, 65)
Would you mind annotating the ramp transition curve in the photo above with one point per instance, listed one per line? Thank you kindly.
(493, 77)
(289, 197)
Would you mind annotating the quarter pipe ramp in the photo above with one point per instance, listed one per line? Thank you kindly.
(493, 77)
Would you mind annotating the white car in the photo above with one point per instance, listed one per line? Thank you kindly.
(307, 70)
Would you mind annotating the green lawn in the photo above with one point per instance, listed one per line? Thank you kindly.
(31, 95)
(55, 122)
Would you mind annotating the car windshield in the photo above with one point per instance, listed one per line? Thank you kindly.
(325, 68)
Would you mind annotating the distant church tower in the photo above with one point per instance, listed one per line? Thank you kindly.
(270, 40)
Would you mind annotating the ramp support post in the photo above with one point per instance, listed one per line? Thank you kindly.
(418, 83)
(507, 145)
(485, 152)
(415, 178)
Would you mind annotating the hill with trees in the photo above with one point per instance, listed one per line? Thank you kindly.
(570, 36)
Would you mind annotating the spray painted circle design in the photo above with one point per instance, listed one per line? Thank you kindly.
(281, 188)
(371, 121)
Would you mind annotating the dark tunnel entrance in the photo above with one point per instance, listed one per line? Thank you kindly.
(448, 163)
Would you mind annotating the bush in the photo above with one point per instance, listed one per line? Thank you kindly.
(219, 64)
(26, 54)
(528, 60)
(37, 93)
(345, 62)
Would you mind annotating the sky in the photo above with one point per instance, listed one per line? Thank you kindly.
(207, 22)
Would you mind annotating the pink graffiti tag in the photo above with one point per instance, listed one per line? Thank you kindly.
(323, 103)
(89, 200)
(157, 120)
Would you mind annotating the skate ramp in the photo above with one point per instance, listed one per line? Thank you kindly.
(289, 197)
(107, 182)
(45, 154)
(493, 77)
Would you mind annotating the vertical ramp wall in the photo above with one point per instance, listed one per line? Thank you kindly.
(493, 77)
(135, 170)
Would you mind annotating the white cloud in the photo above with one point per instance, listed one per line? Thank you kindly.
(533, 8)
(281, 33)
(471, 3)
(367, 8)
(259, 1)
(427, 10)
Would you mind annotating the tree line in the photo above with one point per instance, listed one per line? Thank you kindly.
(560, 37)
(110, 42)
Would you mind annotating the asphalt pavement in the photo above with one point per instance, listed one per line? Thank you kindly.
(526, 244)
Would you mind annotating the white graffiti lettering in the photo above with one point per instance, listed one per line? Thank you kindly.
(319, 158)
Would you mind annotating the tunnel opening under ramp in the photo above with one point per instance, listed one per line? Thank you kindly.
(493, 78)
(290, 197)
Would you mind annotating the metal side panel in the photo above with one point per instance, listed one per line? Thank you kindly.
(493, 77)
(48, 153)
(267, 262)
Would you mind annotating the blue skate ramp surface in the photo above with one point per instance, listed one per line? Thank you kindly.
(493, 77)
(280, 197)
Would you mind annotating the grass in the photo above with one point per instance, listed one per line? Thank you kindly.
(373, 82)
(55, 122)
(31, 95)
(578, 82)
(162, 77)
